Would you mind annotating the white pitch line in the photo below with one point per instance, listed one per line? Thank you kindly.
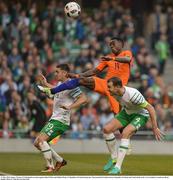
(5, 174)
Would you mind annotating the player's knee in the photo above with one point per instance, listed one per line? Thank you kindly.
(106, 130)
(126, 134)
(37, 142)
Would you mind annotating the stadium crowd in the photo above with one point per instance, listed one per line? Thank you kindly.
(35, 39)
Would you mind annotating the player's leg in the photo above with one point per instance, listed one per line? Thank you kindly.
(56, 128)
(41, 144)
(59, 160)
(112, 126)
(129, 151)
(71, 84)
(94, 83)
(108, 134)
(88, 82)
(136, 121)
(122, 150)
(115, 108)
(51, 130)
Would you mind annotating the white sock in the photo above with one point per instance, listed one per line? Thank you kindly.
(122, 152)
(129, 150)
(47, 153)
(110, 142)
(55, 156)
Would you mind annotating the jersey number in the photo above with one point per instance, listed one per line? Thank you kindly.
(117, 66)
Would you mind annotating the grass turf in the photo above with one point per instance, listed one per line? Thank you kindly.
(85, 164)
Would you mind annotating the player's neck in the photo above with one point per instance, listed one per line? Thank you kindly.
(116, 54)
(122, 91)
(64, 79)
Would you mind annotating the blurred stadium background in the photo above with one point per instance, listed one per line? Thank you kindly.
(35, 36)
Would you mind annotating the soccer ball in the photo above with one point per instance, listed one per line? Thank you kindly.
(72, 10)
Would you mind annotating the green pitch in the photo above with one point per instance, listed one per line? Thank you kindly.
(85, 164)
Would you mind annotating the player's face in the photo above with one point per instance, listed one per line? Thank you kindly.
(115, 46)
(113, 89)
(60, 74)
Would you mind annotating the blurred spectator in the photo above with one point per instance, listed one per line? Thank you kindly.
(144, 84)
(17, 109)
(162, 49)
(157, 24)
(87, 117)
(37, 115)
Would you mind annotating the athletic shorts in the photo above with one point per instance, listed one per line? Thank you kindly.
(101, 88)
(137, 120)
(54, 128)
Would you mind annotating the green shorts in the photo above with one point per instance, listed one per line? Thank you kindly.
(137, 120)
(54, 128)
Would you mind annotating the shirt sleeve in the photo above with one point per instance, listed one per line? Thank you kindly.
(138, 100)
(101, 65)
(75, 93)
(127, 54)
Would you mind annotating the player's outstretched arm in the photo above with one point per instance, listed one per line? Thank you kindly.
(82, 99)
(159, 135)
(123, 59)
(88, 73)
(101, 66)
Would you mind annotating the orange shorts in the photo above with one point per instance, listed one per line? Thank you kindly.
(101, 88)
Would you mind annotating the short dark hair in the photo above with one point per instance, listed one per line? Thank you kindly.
(118, 39)
(116, 81)
(64, 67)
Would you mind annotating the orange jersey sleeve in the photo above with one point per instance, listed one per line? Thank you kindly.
(126, 53)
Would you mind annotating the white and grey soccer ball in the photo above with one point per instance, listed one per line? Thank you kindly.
(72, 10)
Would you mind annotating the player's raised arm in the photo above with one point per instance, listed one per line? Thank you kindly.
(81, 99)
(91, 72)
(88, 73)
(140, 101)
(125, 58)
(43, 81)
(158, 134)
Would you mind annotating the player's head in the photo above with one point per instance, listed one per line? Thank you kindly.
(62, 71)
(116, 44)
(114, 86)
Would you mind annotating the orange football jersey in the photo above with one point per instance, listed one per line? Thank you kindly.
(115, 68)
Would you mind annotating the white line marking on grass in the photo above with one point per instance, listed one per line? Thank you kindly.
(5, 174)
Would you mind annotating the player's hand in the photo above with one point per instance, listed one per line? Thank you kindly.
(106, 58)
(73, 75)
(159, 135)
(65, 107)
(41, 79)
(46, 90)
